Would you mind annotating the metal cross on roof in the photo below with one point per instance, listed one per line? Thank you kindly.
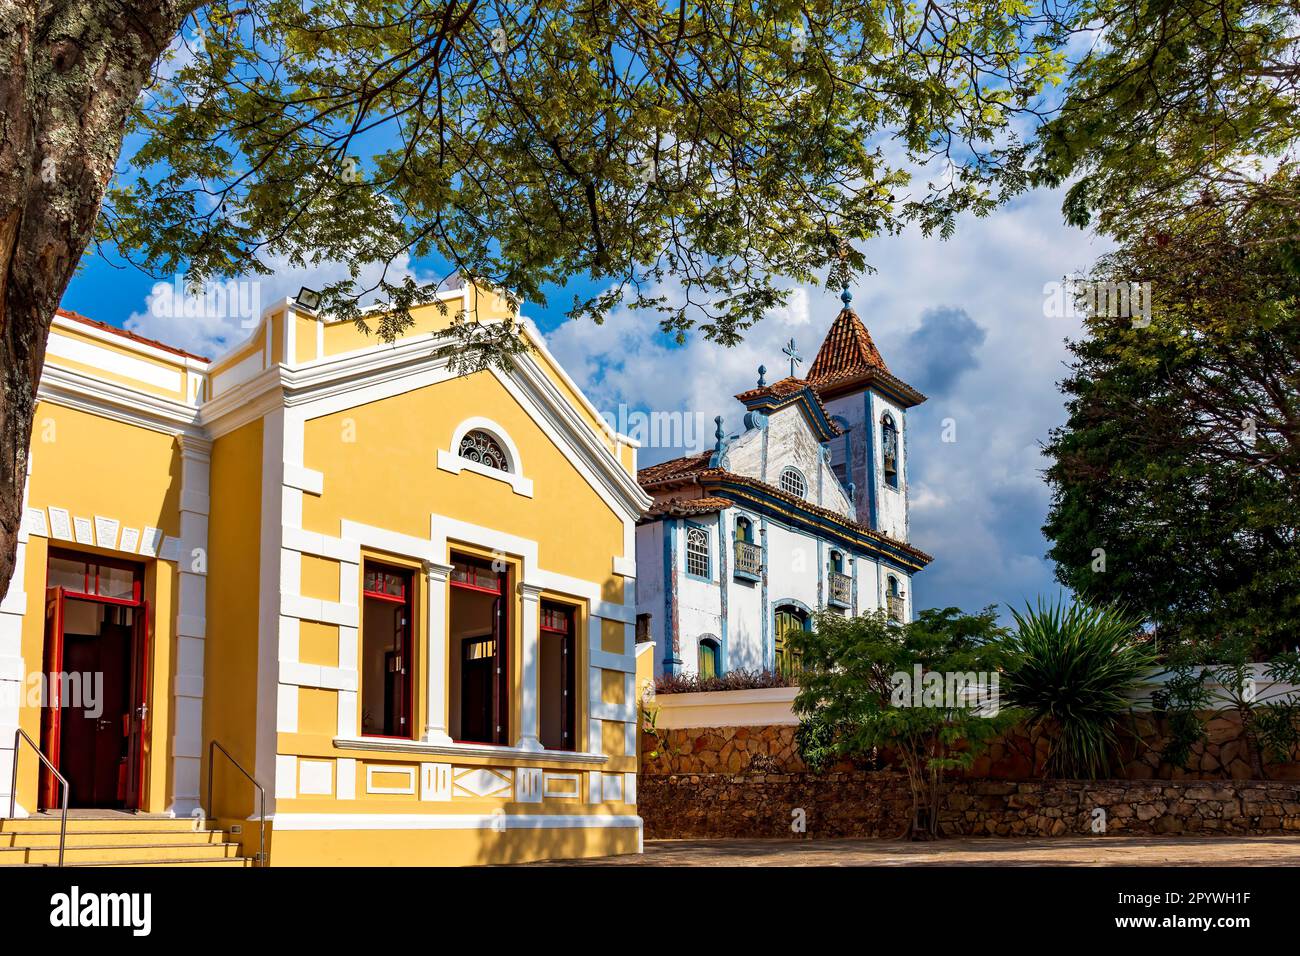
(792, 351)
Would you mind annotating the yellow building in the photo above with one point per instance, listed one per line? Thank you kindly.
(403, 599)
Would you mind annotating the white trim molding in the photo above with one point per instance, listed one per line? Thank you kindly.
(454, 821)
(450, 460)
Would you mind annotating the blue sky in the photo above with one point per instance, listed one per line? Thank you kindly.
(961, 319)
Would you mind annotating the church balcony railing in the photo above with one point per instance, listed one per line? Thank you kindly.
(841, 589)
(896, 607)
(749, 560)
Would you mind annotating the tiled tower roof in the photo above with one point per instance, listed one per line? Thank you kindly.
(847, 350)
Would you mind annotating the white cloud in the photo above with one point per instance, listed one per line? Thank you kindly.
(214, 331)
(977, 504)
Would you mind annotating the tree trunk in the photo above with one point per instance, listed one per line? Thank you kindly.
(69, 76)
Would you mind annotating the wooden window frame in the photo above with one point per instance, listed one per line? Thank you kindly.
(405, 599)
(708, 551)
(567, 631)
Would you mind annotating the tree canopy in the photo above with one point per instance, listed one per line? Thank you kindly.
(716, 146)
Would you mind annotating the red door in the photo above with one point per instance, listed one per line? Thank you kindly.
(138, 716)
(51, 713)
(501, 664)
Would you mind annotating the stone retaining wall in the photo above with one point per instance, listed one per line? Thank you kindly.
(1221, 756)
(878, 805)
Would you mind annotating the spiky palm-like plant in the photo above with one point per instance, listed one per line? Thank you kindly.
(1074, 671)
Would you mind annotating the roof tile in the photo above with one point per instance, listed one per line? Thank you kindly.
(847, 349)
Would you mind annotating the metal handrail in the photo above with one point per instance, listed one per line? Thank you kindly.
(213, 747)
(19, 737)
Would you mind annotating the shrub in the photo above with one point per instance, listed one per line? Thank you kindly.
(1073, 671)
(732, 680)
(851, 706)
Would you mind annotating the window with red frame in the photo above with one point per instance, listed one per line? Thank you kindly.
(105, 578)
(556, 702)
(386, 665)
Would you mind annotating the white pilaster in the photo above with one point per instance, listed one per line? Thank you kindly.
(529, 709)
(435, 724)
(191, 624)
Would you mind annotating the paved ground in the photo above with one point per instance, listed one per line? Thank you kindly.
(1098, 851)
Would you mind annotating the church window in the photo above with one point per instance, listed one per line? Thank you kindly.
(889, 449)
(791, 482)
(745, 530)
(478, 446)
(710, 657)
(697, 551)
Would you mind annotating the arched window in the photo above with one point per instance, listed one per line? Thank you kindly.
(483, 448)
(710, 658)
(789, 619)
(889, 449)
(745, 530)
(837, 561)
(792, 482)
(893, 587)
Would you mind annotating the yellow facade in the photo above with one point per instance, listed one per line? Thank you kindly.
(323, 561)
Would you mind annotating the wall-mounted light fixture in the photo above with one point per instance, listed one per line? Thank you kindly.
(309, 299)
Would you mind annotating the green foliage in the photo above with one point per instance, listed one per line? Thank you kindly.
(1173, 106)
(1220, 677)
(718, 146)
(848, 707)
(1180, 457)
(1074, 671)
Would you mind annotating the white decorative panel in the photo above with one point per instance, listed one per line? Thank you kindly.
(629, 788)
(435, 781)
(406, 786)
(593, 786)
(151, 542)
(612, 787)
(347, 774)
(130, 539)
(60, 524)
(106, 532)
(36, 523)
(528, 784)
(286, 776)
(315, 778)
(481, 782)
(83, 530)
(562, 786)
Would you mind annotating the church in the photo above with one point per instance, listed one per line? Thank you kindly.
(805, 509)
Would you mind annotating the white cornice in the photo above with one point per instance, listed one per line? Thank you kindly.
(120, 403)
(338, 376)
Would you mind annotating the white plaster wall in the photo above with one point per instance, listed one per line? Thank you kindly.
(790, 442)
(699, 602)
(744, 455)
(853, 409)
(745, 626)
(792, 563)
(891, 503)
